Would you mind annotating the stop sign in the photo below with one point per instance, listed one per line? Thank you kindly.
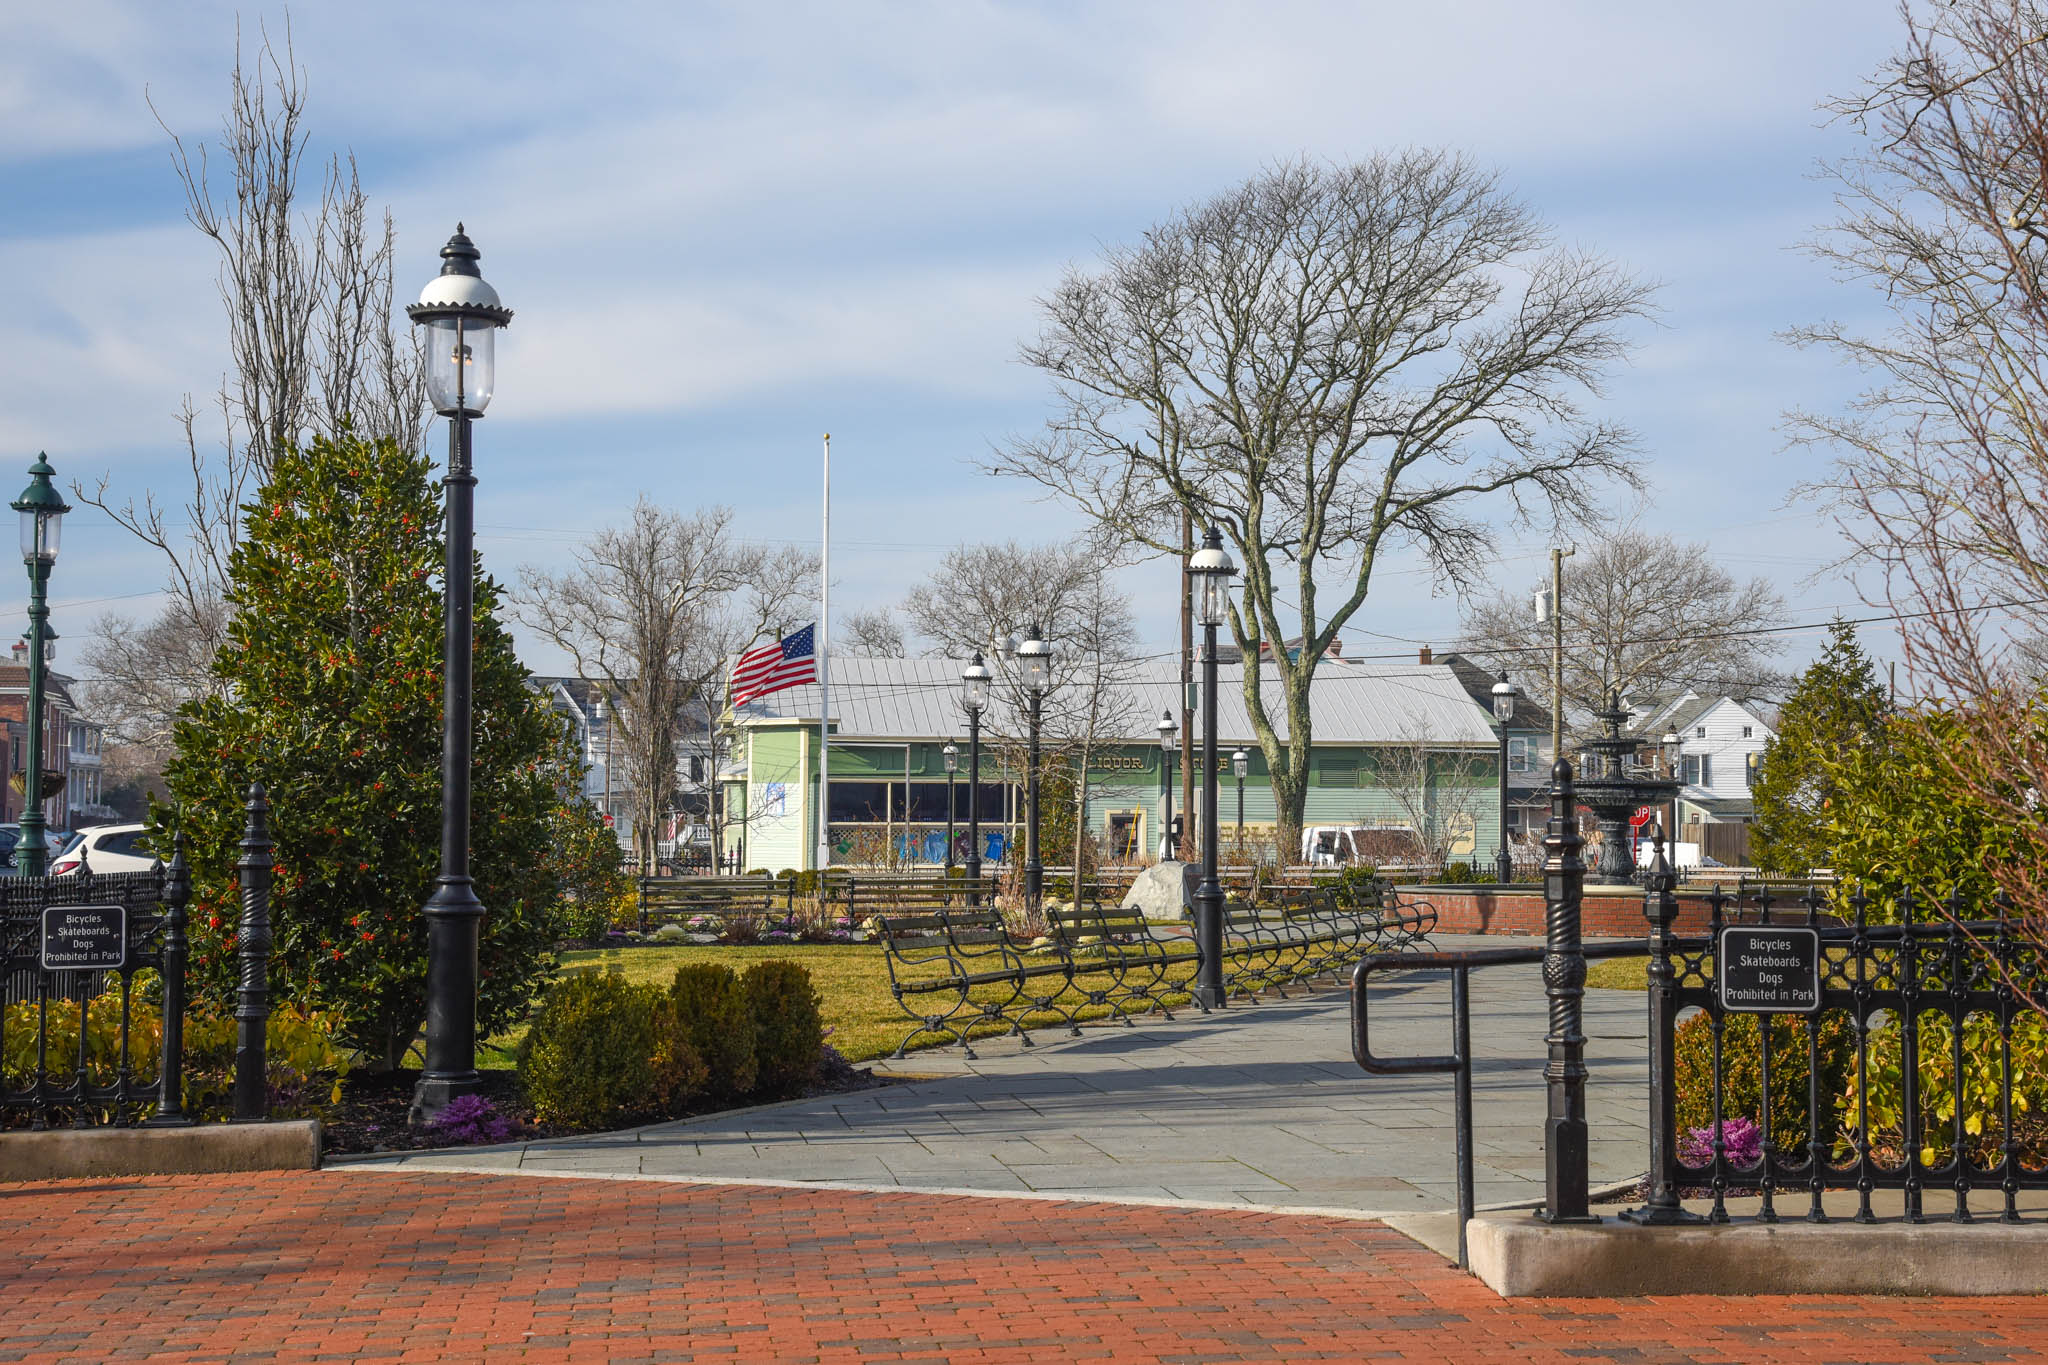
(1642, 817)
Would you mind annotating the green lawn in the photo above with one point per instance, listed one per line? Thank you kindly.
(1619, 974)
(852, 979)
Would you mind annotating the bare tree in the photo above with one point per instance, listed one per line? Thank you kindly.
(1440, 791)
(1941, 476)
(650, 613)
(1644, 614)
(312, 347)
(873, 634)
(987, 597)
(1327, 362)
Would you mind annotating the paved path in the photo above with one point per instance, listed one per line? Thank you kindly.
(1261, 1106)
(417, 1267)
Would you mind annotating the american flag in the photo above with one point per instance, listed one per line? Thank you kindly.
(770, 668)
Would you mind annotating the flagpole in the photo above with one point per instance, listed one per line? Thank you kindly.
(825, 679)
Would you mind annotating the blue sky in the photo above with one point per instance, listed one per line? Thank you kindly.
(729, 228)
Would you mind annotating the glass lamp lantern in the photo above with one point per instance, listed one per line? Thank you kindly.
(1167, 731)
(1034, 656)
(1213, 569)
(42, 510)
(974, 681)
(1504, 696)
(1240, 764)
(952, 756)
(462, 315)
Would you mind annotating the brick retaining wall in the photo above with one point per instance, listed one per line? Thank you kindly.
(1606, 912)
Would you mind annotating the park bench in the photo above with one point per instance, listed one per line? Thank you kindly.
(954, 968)
(863, 894)
(1119, 957)
(671, 900)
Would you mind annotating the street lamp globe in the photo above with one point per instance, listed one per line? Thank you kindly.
(42, 510)
(462, 315)
(1213, 569)
(1034, 655)
(952, 755)
(1671, 744)
(974, 681)
(1240, 764)
(1504, 695)
(1167, 731)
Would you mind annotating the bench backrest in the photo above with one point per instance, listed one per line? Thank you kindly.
(925, 926)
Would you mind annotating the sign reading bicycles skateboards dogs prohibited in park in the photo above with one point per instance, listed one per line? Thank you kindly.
(1767, 969)
(85, 938)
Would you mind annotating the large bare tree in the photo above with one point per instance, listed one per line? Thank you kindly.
(1330, 362)
(1644, 615)
(306, 287)
(649, 613)
(1941, 472)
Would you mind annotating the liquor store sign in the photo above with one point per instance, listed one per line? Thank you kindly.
(85, 938)
(1765, 969)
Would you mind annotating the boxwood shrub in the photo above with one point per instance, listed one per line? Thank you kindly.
(713, 1013)
(789, 1031)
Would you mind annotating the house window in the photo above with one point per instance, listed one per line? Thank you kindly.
(1699, 770)
(697, 768)
(1519, 759)
(1748, 732)
(1699, 732)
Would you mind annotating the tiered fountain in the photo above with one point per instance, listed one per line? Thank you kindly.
(1614, 790)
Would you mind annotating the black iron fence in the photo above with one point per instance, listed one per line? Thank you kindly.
(1870, 1055)
(94, 1007)
(1801, 1045)
(91, 1026)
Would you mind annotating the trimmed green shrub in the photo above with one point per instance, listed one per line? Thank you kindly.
(603, 1052)
(1741, 1074)
(712, 1012)
(789, 1032)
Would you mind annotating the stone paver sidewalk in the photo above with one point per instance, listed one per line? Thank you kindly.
(1261, 1106)
(420, 1267)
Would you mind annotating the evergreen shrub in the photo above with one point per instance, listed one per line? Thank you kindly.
(602, 1052)
(713, 1013)
(789, 1031)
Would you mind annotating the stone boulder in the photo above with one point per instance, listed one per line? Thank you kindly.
(1164, 891)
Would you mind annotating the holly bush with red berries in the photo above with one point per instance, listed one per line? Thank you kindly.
(330, 696)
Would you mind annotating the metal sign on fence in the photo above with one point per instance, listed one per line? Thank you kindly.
(85, 938)
(1769, 969)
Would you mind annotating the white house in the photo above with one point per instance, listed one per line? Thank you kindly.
(1721, 740)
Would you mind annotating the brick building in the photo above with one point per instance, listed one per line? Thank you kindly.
(73, 747)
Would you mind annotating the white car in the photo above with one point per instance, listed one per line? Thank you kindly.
(107, 848)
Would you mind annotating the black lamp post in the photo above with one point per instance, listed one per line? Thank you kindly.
(1034, 656)
(952, 753)
(1167, 731)
(1504, 695)
(42, 511)
(462, 316)
(974, 700)
(1212, 569)
(1240, 764)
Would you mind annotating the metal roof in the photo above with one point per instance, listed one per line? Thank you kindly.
(1353, 703)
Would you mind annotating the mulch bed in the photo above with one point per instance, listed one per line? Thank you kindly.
(374, 1107)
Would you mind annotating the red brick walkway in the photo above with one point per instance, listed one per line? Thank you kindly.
(334, 1266)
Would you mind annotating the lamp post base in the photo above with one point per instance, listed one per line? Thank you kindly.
(453, 915)
(1207, 997)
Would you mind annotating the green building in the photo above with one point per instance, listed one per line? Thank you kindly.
(1400, 750)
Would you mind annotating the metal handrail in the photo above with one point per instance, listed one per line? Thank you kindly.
(1458, 1062)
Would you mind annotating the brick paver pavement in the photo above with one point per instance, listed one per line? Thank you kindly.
(422, 1267)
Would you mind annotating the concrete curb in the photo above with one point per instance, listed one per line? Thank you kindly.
(1521, 1257)
(207, 1148)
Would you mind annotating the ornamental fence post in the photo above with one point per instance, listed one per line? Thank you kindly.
(252, 1008)
(1566, 1196)
(177, 894)
(1660, 908)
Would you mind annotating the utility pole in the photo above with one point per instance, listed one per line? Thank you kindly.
(1557, 558)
